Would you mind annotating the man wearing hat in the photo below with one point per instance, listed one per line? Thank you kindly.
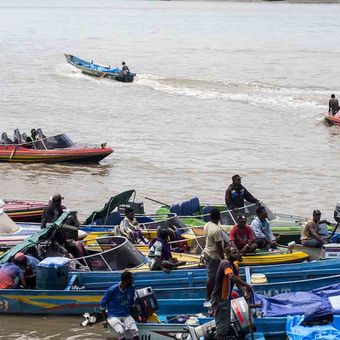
(52, 211)
(242, 237)
(310, 234)
(236, 194)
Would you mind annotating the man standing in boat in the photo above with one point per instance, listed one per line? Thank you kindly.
(236, 194)
(213, 251)
(125, 69)
(310, 234)
(119, 300)
(333, 105)
(227, 275)
(52, 211)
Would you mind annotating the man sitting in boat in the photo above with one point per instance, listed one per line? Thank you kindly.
(333, 105)
(236, 194)
(5, 139)
(264, 236)
(11, 275)
(227, 275)
(129, 227)
(33, 137)
(17, 138)
(242, 237)
(40, 134)
(310, 234)
(119, 300)
(52, 211)
(125, 69)
(159, 256)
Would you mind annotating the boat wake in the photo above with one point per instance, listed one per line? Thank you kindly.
(255, 93)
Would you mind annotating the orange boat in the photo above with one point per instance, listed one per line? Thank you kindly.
(55, 149)
(332, 119)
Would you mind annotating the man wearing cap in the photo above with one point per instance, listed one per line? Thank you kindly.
(52, 211)
(242, 237)
(237, 193)
(11, 275)
(310, 234)
(29, 266)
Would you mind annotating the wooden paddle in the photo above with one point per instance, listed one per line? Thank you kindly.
(156, 201)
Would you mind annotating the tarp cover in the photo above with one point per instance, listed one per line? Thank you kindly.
(109, 206)
(293, 304)
(35, 239)
(326, 332)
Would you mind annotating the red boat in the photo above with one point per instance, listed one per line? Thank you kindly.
(56, 149)
(24, 210)
(332, 119)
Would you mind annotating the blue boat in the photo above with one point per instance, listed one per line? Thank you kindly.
(99, 71)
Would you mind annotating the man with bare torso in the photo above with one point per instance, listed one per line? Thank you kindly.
(310, 234)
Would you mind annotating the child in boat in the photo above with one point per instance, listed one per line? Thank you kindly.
(159, 256)
(129, 228)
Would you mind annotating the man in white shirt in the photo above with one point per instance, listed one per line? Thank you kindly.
(213, 251)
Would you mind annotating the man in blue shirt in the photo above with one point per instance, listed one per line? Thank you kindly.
(119, 300)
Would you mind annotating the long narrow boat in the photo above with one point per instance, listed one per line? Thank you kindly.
(99, 71)
(75, 300)
(332, 119)
(195, 214)
(24, 210)
(55, 149)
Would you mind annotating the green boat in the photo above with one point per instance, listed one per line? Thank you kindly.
(196, 215)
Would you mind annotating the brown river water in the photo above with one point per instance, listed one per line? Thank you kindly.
(222, 88)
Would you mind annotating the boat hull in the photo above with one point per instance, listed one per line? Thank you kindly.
(15, 154)
(24, 210)
(332, 119)
(87, 68)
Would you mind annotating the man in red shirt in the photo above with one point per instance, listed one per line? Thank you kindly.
(242, 237)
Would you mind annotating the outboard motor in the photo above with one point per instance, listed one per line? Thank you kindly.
(239, 322)
(138, 207)
(337, 212)
(146, 302)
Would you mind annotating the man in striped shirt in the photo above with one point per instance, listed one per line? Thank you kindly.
(227, 275)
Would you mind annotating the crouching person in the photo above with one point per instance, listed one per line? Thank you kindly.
(119, 300)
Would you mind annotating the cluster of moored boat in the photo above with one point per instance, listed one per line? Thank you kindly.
(75, 286)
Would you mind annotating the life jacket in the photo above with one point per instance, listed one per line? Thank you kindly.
(237, 195)
(166, 250)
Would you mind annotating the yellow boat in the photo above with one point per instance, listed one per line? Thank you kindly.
(280, 255)
(130, 256)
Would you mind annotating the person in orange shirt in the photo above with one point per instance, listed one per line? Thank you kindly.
(227, 275)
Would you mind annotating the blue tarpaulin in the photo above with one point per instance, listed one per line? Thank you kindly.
(293, 304)
(295, 331)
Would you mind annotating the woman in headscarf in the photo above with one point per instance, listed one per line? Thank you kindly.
(17, 138)
(5, 139)
(40, 134)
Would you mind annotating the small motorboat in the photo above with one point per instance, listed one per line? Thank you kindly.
(98, 71)
(335, 120)
(55, 149)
